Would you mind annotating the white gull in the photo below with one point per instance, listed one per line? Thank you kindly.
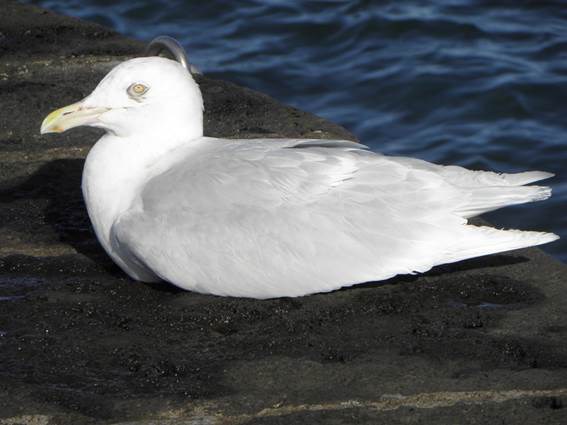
(266, 218)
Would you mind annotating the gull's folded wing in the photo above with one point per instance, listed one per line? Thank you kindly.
(265, 218)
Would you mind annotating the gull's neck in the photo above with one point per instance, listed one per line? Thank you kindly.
(115, 171)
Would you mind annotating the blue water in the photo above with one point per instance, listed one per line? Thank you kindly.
(454, 82)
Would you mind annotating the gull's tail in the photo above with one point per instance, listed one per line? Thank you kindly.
(486, 199)
(486, 191)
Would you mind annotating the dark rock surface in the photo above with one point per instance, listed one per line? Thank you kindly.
(478, 342)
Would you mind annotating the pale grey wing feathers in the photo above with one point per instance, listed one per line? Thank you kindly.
(287, 218)
(258, 173)
(464, 177)
(485, 191)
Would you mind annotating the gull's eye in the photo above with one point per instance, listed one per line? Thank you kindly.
(137, 90)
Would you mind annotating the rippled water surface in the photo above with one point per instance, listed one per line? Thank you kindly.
(462, 82)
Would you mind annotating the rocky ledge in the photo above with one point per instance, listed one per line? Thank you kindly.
(478, 342)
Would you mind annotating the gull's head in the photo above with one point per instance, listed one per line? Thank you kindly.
(138, 97)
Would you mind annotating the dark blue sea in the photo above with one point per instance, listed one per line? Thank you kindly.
(479, 84)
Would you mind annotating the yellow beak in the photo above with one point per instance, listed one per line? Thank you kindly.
(69, 117)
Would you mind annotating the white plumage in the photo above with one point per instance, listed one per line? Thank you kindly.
(271, 217)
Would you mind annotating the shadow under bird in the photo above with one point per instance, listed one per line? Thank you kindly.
(266, 218)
